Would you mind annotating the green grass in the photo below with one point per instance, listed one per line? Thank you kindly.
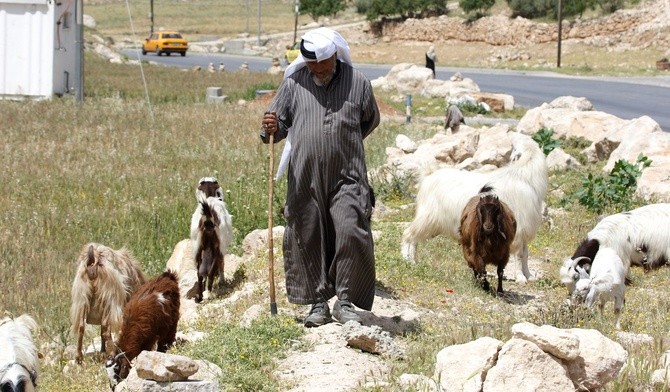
(107, 171)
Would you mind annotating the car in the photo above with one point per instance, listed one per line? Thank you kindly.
(292, 52)
(166, 41)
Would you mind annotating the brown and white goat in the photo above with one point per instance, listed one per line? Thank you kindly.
(487, 230)
(102, 285)
(211, 234)
(150, 321)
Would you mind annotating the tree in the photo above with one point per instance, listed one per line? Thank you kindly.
(479, 6)
(406, 8)
(318, 8)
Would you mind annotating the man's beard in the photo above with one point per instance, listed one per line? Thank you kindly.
(325, 81)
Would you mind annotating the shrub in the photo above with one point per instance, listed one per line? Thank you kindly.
(530, 8)
(318, 8)
(616, 190)
(405, 8)
(544, 139)
(479, 6)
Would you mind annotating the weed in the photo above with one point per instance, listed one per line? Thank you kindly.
(544, 139)
(598, 192)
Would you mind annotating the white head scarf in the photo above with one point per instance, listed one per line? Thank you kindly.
(324, 42)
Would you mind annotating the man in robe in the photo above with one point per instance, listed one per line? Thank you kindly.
(324, 109)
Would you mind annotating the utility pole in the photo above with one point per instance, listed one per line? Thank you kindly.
(151, 16)
(560, 33)
(79, 50)
(295, 26)
(259, 23)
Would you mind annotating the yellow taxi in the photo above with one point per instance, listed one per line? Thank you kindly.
(165, 41)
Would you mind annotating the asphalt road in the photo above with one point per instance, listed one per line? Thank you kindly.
(626, 98)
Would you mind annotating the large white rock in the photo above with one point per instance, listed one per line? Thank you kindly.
(462, 364)
(600, 359)
(555, 341)
(523, 366)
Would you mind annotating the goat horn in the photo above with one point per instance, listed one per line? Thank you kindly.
(576, 261)
(116, 358)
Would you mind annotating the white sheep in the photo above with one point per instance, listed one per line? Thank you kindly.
(18, 354)
(522, 184)
(638, 237)
(604, 279)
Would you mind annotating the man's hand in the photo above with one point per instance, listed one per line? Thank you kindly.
(269, 123)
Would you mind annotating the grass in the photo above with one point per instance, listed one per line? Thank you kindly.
(121, 168)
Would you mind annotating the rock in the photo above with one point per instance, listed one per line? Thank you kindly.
(468, 363)
(560, 160)
(523, 366)
(600, 360)
(555, 341)
(157, 366)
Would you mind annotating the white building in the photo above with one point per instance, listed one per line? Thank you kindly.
(37, 48)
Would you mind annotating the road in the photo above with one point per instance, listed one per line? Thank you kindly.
(626, 98)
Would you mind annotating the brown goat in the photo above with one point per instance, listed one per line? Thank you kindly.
(487, 230)
(150, 321)
(102, 285)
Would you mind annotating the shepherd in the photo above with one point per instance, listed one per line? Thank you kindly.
(325, 108)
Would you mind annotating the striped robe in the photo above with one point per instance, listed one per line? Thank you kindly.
(328, 247)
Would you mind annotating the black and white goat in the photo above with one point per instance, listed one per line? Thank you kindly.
(603, 279)
(486, 233)
(19, 363)
(150, 321)
(638, 237)
(211, 234)
(522, 184)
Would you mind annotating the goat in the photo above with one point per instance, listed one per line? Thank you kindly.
(602, 279)
(150, 321)
(453, 118)
(442, 196)
(211, 234)
(18, 354)
(638, 237)
(487, 231)
(104, 281)
(208, 187)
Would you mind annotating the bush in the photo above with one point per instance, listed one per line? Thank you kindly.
(543, 138)
(479, 6)
(362, 6)
(406, 8)
(530, 8)
(597, 192)
(318, 8)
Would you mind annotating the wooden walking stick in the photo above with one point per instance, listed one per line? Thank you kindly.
(271, 257)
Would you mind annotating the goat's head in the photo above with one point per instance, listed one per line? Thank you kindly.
(574, 270)
(209, 187)
(117, 368)
(582, 285)
(489, 212)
